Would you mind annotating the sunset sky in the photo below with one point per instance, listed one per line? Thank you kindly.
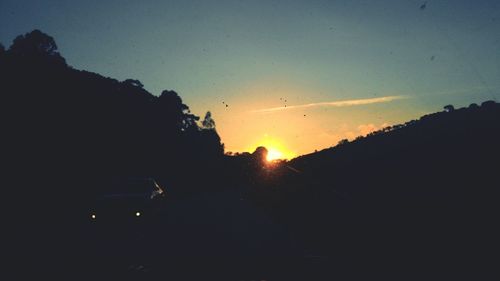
(342, 68)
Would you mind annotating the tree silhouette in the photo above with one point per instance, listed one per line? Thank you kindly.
(208, 122)
(449, 108)
(134, 83)
(36, 44)
(488, 104)
(343, 141)
(176, 113)
(260, 155)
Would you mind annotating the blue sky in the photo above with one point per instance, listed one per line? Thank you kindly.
(254, 55)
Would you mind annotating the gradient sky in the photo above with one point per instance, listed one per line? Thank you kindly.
(344, 68)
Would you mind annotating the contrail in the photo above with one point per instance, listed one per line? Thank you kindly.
(333, 103)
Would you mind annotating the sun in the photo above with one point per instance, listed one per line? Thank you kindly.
(276, 150)
(273, 154)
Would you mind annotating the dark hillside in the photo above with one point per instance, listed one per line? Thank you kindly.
(63, 121)
(432, 181)
(67, 132)
(438, 150)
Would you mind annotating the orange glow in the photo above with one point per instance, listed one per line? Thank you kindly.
(275, 112)
(275, 149)
(273, 154)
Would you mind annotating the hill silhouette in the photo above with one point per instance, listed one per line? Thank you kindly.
(78, 124)
(426, 189)
(66, 132)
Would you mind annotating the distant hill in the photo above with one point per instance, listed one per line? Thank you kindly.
(427, 186)
(439, 149)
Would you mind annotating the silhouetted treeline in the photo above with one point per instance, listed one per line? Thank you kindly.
(66, 129)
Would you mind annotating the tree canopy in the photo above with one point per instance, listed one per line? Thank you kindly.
(36, 44)
(89, 125)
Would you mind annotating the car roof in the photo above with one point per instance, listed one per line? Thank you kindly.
(131, 185)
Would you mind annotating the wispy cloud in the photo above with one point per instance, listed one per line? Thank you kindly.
(342, 103)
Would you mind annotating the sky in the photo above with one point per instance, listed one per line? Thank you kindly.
(341, 68)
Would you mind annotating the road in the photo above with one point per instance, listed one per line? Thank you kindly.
(220, 231)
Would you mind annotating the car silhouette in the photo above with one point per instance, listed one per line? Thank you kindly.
(129, 200)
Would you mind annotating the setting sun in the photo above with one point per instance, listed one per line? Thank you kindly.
(273, 154)
(275, 149)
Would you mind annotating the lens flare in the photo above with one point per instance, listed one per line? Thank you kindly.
(273, 154)
(275, 149)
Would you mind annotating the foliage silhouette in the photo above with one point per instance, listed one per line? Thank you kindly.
(67, 125)
(208, 122)
(449, 108)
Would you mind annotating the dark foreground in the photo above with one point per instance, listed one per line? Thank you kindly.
(222, 236)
